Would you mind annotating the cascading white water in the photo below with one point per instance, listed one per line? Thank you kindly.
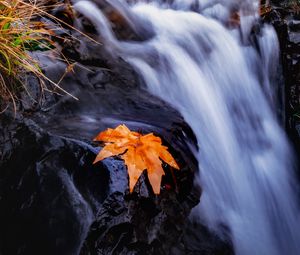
(220, 84)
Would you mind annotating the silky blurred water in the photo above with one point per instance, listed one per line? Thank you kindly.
(219, 80)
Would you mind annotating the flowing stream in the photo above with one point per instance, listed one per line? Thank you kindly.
(218, 75)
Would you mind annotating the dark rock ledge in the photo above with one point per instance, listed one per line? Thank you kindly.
(286, 21)
(53, 200)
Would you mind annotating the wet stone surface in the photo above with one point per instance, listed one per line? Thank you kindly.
(53, 200)
(287, 24)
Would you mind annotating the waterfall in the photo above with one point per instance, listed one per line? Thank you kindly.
(212, 73)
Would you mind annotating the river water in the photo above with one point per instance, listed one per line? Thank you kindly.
(218, 74)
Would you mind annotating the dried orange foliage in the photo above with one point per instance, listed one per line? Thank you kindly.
(139, 152)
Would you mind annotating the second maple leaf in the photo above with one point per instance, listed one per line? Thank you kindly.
(139, 152)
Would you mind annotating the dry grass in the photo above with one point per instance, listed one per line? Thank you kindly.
(295, 5)
(21, 31)
(292, 5)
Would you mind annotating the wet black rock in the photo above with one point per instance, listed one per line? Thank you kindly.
(287, 24)
(53, 200)
(197, 239)
(42, 210)
(51, 193)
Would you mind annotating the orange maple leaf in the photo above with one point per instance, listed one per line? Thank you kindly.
(139, 152)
